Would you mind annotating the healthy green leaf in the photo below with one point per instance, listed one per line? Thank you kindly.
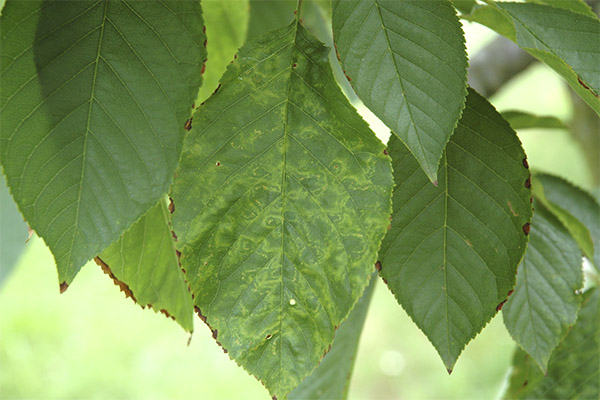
(575, 208)
(465, 6)
(524, 120)
(13, 232)
(573, 370)
(408, 64)
(267, 15)
(579, 6)
(282, 198)
(545, 304)
(568, 42)
(332, 377)
(452, 253)
(226, 26)
(144, 264)
(95, 96)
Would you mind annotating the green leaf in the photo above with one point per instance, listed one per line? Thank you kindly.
(144, 264)
(267, 15)
(331, 379)
(575, 208)
(524, 120)
(226, 26)
(13, 232)
(579, 6)
(452, 253)
(408, 64)
(568, 42)
(94, 100)
(282, 197)
(545, 304)
(573, 370)
(465, 6)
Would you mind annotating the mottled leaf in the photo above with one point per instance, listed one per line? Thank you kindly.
(573, 370)
(575, 208)
(452, 253)
(95, 95)
(332, 378)
(545, 304)
(13, 232)
(226, 26)
(524, 120)
(281, 200)
(408, 65)
(144, 260)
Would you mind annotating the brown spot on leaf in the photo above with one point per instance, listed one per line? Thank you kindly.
(30, 233)
(205, 42)
(188, 124)
(204, 29)
(525, 382)
(63, 287)
(122, 285)
(378, 266)
(499, 306)
(510, 292)
(178, 253)
(513, 212)
(435, 183)
(449, 371)
(174, 235)
(171, 206)
(385, 152)
(217, 89)
(268, 337)
(218, 164)
(525, 163)
(528, 182)
(468, 242)
(294, 65)
(347, 77)
(384, 280)
(166, 313)
(203, 69)
(526, 228)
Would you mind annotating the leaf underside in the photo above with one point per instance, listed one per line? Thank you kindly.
(281, 200)
(94, 99)
(573, 369)
(144, 259)
(545, 304)
(452, 253)
(408, 64)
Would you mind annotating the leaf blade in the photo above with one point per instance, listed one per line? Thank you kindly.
(418, 51)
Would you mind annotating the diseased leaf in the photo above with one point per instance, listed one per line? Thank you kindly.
(545, 304)
(281, 200)
(452, 253)
(226, 26)
(568, 42)
(331, 379)
(95, 95)
(267, 15)
(144, 260)
(579, 6)
(13, 232)
(408, 64)
(524, 120)
(573, 370)
(575, 208)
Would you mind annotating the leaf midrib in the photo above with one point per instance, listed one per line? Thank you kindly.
(87, 133)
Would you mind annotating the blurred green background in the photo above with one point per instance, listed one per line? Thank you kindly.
(92, 343)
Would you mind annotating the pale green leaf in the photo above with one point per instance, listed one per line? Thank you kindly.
(579, 6)
(13, 232)
(267, 15)
(575, 208)
(95, 96)
(568, 42)
(545, 304)
(144, 260)
(524, 120)
(281, 200)
(226, 26)
(332, 378)
(573, 370)
(452, 253)
(408, 65)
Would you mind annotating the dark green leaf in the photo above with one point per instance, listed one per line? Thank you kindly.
(332, 378)
(545, 304)
(573, 370)
(95, 96)
(144, 260)
(452, 253)
(13, 232)
(282, 198)
(226, 26)
(524, 120)
(575, 208)
(408, 64)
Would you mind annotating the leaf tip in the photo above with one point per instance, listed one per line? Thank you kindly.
(63, 287)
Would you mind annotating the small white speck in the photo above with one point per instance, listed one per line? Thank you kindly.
(292, 302)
